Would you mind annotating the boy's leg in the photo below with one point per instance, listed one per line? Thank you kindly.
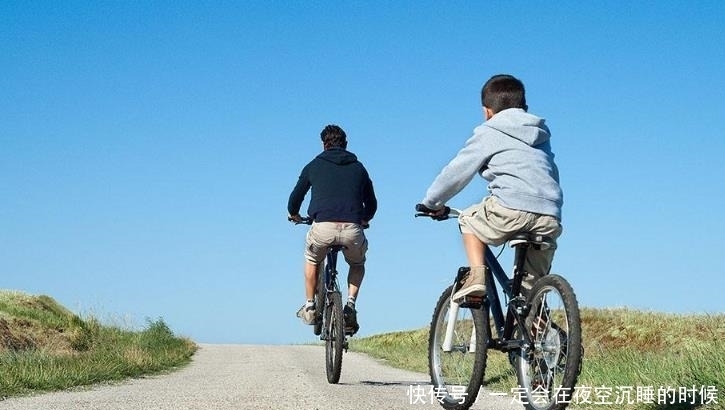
(474, 249)
(538, 262)
(474, 283)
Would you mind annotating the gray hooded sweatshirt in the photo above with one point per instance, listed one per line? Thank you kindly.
(512, 152)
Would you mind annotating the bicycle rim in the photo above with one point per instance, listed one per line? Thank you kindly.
(547, 370)
(457, 365)
(335, 332)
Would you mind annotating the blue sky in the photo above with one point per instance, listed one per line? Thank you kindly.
(147, 150)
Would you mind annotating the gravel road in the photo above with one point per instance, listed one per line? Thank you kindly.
(226, 377)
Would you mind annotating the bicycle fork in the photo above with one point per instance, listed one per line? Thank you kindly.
(450, 331)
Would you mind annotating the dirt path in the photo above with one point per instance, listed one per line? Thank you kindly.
(226, 377)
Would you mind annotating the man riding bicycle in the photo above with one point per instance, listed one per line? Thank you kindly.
(343, 202)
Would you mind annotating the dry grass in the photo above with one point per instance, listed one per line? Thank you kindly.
(44, 346)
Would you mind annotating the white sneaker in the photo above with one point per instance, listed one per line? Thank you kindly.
(307, 314)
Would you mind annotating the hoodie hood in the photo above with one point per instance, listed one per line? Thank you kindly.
(338, 156)
(521, 125)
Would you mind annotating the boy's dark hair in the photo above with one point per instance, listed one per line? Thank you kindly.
(503, 91)
(333, 136)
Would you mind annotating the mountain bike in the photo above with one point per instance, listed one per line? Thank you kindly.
(540, 332)
(329, 321)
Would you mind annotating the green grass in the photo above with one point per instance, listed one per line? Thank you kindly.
(45, 347)
(622, 349)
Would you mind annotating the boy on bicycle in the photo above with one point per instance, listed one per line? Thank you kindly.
(343, 203)
(510, 150)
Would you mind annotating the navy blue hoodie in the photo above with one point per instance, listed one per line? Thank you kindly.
(341, 189)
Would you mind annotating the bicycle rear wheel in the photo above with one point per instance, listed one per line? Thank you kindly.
(457, 349)
(547, 371)
(335, 332)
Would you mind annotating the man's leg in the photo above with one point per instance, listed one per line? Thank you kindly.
(318, 238)
(354, 280)
(310, 280)
(356, 246)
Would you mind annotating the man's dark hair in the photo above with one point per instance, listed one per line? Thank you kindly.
(503, 91)
(333, 136)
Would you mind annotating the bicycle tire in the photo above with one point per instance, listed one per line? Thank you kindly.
(335, 332)
(548, 370)
(457, 373)
(319, 298)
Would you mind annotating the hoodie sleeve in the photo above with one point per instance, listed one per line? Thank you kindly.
(370, 201)
(459, 171)
(298, 192)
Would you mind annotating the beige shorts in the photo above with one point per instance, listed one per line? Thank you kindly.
(494, 224)
(325, 234)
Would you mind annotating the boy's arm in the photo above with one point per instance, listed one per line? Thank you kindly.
(458, 173)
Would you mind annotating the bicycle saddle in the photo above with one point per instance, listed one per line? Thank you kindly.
(539, 242)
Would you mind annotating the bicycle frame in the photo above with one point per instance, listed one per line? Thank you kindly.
(504, 325)
(330, 272)
(511, 287)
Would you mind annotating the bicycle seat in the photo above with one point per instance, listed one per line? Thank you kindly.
(538, 242)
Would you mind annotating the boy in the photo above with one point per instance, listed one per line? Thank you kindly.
(343, 203)
(510, 150)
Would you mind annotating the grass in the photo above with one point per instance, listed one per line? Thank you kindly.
(45, 347)
(624, 350)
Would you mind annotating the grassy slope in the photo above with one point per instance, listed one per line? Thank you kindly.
(622, 348)
(44, 346)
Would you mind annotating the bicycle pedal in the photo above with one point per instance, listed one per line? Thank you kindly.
(472, 302)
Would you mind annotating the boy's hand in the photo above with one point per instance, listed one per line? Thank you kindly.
(439, 214)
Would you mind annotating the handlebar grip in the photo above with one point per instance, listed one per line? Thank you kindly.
(424, 209)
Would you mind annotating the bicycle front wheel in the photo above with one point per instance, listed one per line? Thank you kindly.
(319, 298)
(457, 349)
(335, 332)
(547, 370)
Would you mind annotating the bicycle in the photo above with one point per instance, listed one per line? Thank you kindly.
(541, 332)
(330, 321)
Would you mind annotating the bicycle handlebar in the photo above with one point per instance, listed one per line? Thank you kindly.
(305, 220)
(448, 213)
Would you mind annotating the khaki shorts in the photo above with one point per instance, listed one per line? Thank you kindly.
(325, 234)
(494, 224)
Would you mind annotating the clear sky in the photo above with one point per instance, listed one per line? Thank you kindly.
(147, 150)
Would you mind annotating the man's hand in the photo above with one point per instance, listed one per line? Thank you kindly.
(294, 218)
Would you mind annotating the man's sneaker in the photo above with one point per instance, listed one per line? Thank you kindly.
(471, 283)
(350, 315)
(307, 314)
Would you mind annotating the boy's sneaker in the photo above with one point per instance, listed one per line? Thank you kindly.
(350, 315)
(471, 284)
(307, 314)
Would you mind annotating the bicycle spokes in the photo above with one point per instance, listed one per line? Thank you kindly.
(548, 367)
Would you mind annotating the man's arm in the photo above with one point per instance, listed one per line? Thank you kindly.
(370, 202)
(298, 193)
